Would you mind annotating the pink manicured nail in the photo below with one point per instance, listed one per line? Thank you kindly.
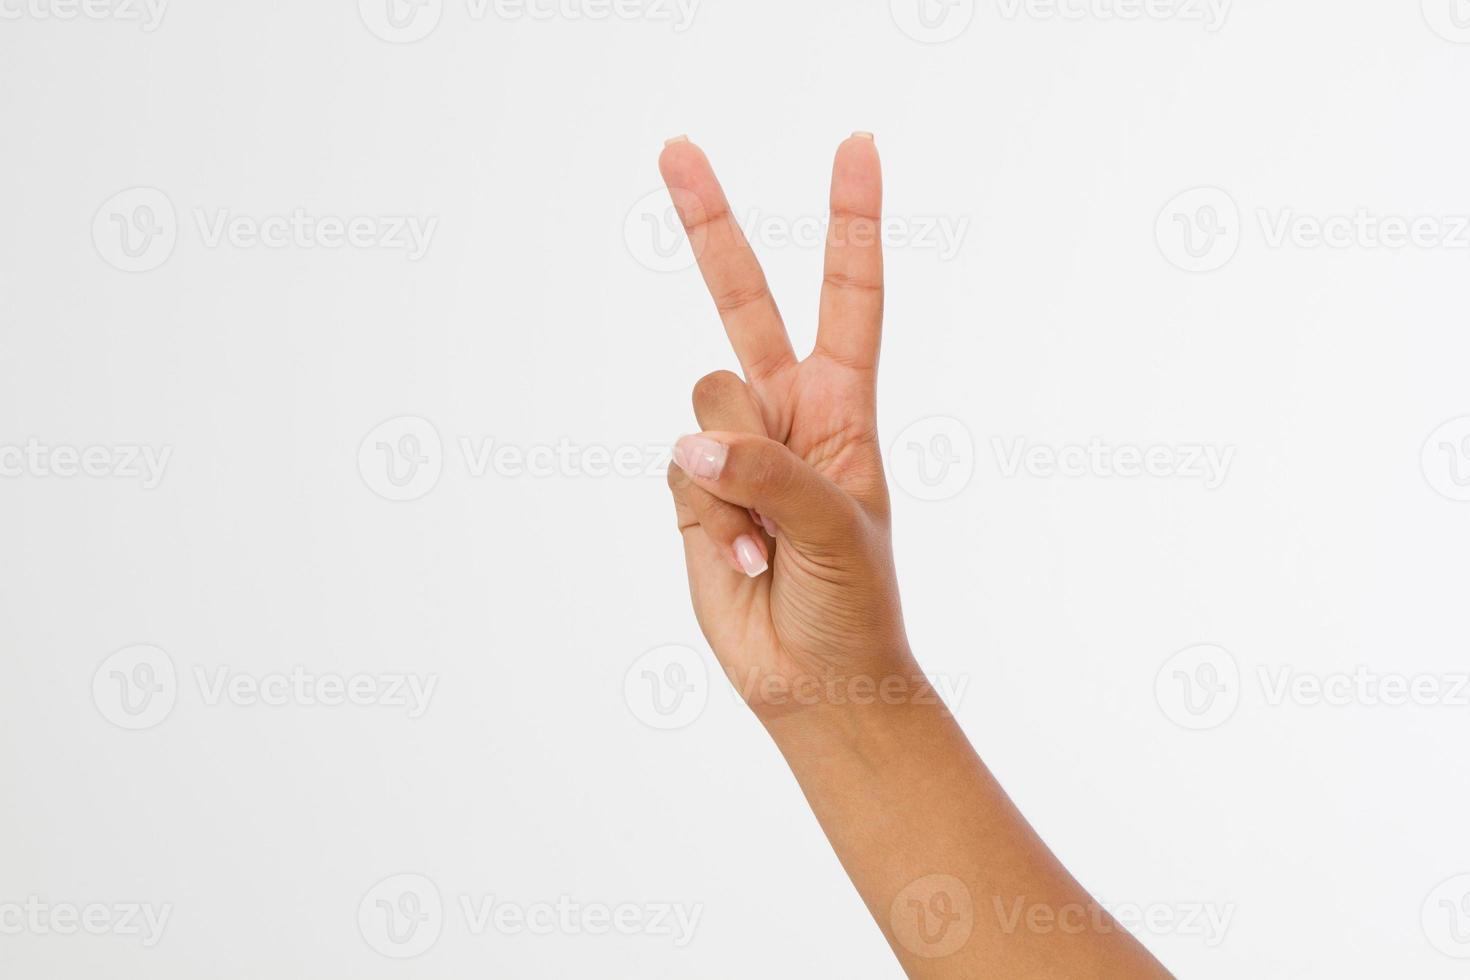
(763, 521)
(862, 135)
(676, 139)
(750, 555)
(700, 457)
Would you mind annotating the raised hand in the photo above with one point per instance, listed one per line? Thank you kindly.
(781, 498)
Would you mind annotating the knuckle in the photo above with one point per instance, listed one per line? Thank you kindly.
(767, 363)
(736, 298)
(771, 470)
(839, 279)
(716, 388)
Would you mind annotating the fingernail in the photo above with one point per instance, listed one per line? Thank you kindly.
(769, 525)
(752, 559)
(862, 135)
(701, 457)
(676, 139)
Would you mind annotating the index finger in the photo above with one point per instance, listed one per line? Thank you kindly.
(730, 268)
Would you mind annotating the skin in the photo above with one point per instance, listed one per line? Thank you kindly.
(787, 469)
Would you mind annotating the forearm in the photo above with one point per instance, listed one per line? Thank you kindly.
(944, 861)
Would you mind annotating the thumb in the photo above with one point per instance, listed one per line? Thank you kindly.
(753, 471)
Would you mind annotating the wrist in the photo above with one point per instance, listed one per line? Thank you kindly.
(832, 711)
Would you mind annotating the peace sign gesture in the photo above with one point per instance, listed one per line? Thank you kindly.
(787, 475)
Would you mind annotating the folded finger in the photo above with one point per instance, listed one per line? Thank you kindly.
(730, 528)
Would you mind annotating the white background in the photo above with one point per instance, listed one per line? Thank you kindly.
(1334, 542)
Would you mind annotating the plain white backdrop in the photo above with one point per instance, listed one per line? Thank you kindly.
(342, 611)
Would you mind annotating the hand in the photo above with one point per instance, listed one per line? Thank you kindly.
(781, 499)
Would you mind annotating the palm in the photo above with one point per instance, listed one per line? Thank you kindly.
(821, 407)
(822, 411)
